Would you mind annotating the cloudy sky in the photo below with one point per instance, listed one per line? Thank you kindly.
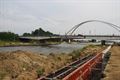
(58, 16)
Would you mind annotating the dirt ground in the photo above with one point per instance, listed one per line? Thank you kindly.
(24, 65)
(112, 71)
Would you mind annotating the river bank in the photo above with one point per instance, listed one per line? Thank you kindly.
(18, 43)
(14, 43)
(25, 65)
(47, 49)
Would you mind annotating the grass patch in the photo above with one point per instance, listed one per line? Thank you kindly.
(25, 66)
(40, 71)
(77, 53)
(13, 43)
(2, 75)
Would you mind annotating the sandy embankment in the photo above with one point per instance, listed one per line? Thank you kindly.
(112, 70)
(22, 65)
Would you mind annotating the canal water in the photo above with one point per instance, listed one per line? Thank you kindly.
(59, 48)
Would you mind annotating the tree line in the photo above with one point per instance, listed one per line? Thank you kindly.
(38, 32)
(10, 36)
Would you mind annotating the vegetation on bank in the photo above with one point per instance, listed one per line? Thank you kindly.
(39, 32)
(21, 65)
(8, 39)
(12, 39)
(15, 43)
(8, 36)
(89, 49)
(18, 43)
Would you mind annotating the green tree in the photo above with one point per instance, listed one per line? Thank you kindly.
(41, 32)
(26, 34)
(8, 36)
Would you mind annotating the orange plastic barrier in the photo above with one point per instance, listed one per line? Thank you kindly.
(83, 72)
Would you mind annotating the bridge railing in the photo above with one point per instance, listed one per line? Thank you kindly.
(84, 71)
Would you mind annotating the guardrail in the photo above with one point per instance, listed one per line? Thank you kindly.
(84, 71)
(80, 69)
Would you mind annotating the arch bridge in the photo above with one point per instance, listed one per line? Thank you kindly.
(69, 35)
(73, 29)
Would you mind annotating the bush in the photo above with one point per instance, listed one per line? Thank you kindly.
(75, 54)
(40, 71)
(8, 36)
